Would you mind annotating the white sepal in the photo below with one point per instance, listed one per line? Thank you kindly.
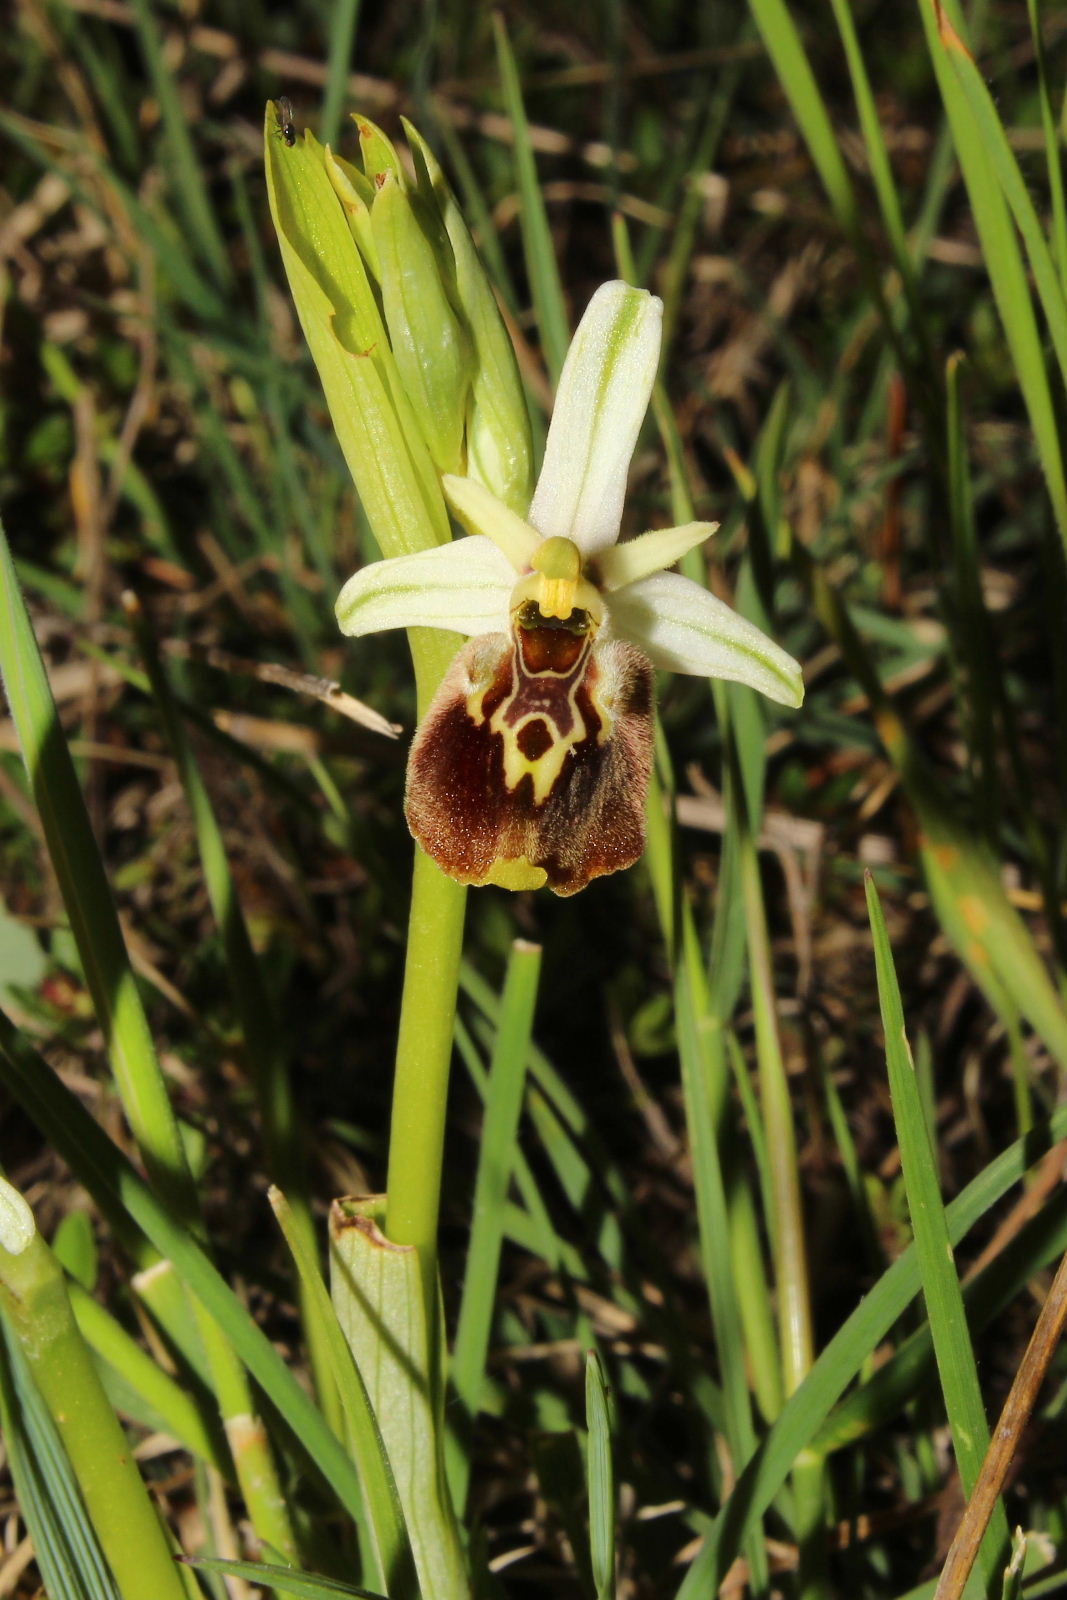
(464, 586)
(682, 627)
(483, 514)
(601, 402)
(651, 552)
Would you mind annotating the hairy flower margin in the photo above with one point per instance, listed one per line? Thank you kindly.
(531, 764)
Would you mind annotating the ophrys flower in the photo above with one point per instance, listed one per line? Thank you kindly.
(532, 763)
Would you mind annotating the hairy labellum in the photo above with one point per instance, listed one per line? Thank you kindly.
(532, 763)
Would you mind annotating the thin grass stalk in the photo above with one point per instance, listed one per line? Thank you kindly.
(1016, 1412)
(541, 266)
(200, 219)
(795, 1335)
(117, 1003)
(341, 34)
(842, 1358)
(117, 1189)
(600, 1472)
(260, 1027)
(1053, 141)
(941, 1287)
(1000, 248)
(702, 1056)
(496, 1157)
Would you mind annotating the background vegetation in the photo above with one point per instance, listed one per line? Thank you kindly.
(862, 257)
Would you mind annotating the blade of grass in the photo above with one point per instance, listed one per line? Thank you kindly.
(705, 1075)
(941, 1286)
(1002, 1450)
(1002, 255)
(541, 266)
(994, 141)
(600, 1472)
(496, 1159)
(87, 897)
(282, 1580)
(838, 1363)
(202, 224)
(260, 1028)
(119, 1010)
(111, 1180)
(341, 34)
(1053, 157)
(877, 1401)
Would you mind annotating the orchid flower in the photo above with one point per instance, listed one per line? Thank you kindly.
(532, 763)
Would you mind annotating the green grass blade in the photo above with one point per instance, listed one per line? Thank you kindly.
(882, 1397)
(282, 1580)
(69, 1558)
(1003, 259)
(87, 897)
(941, 1286)
(705, 1076)
(1052, 145)
(200, 219)
(994, 141)
(496, 1159)
(113, 1183)
(541, 266)
(786, 50)
(341, 33)
(600, 1471)
(842, 1358)
(260, 1027)
(881, 171)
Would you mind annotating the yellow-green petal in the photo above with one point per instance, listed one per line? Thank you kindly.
(638, 558)
(481, 512)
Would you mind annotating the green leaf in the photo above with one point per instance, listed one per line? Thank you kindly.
(941, 1286)
(601, 1474)
(282, 1580)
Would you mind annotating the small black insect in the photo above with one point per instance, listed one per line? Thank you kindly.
(285, 119)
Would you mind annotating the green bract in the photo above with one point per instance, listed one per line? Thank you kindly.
(415, 363)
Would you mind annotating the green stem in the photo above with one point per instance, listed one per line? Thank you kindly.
(423, 1058)
(130, 1532)
(427, 1014)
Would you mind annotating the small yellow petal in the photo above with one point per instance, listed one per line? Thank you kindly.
(516, 874)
